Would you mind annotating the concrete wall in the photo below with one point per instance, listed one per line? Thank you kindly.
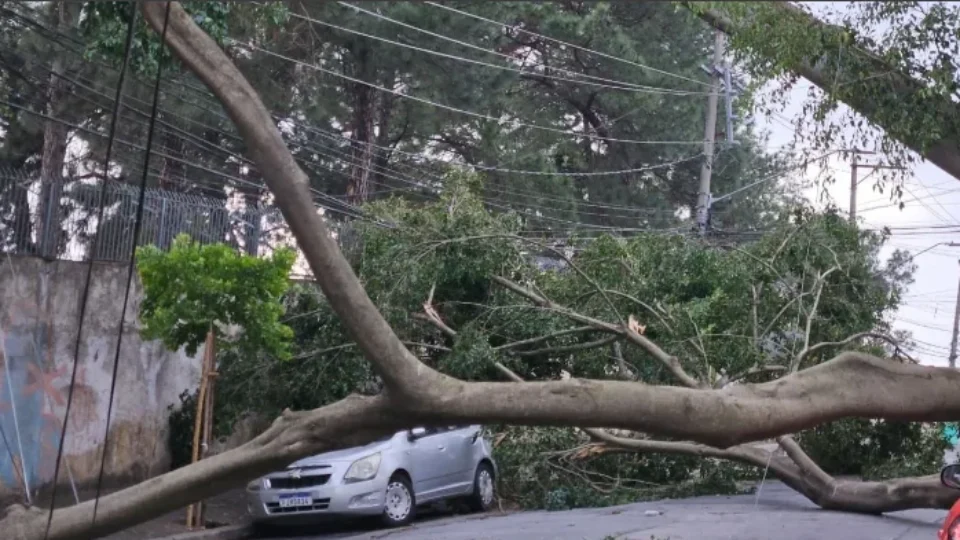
(39, 306)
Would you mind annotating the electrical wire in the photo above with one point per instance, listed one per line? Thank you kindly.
(313, 149)
(567, 44)
(131, 268)
(220, 114)
(354, 213)
(627, 87)
(513, 59)
(85, 295)
(533, 172)
(525, 172)
(450, 108)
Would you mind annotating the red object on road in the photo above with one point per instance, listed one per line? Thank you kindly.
(951, 525)
(950, 477)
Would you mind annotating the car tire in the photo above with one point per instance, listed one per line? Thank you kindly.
(484, 489)
(399, 505)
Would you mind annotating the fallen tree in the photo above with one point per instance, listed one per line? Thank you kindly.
(850, 385)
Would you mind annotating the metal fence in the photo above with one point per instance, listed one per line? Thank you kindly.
(58, 220)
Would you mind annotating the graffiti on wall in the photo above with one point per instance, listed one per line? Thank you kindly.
(33, 398)
(39, 304)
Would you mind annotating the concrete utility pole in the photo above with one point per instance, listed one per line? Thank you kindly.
(855, 166)
(956, 330)
(709, 134)
(853, 188)
(952, 359)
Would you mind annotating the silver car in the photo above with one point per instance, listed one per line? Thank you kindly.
(388, 478)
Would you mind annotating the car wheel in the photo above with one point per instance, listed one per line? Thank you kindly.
(481, 500)
(399, 505)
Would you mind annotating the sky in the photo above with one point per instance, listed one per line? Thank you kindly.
(932, 198)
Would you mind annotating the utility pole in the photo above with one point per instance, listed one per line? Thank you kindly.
(952, 359)
(855, 167)
(956, 330)
(709, 134)
(853, 188)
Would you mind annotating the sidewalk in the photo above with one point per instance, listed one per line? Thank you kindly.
(225, 509)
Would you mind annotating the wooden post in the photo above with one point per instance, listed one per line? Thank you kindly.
(201, 423)
(208, 413)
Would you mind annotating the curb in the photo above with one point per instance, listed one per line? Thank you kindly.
(230, 532)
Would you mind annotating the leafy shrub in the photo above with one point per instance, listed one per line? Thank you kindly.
(533, 474)
(180, 439)
(875, 448)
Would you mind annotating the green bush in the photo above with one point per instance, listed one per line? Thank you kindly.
(180, 439)
(875, 448)
(534, 474)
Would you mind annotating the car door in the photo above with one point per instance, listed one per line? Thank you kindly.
(460, 453)
(429, 464)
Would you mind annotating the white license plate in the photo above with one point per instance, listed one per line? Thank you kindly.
(299, 499)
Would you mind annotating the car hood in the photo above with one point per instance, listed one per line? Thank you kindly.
(347, 454)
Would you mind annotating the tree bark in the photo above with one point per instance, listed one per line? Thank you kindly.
(796, 470)
(860, 95)
(849, 385)
(364, 113)
(824, 491)
(353, 421)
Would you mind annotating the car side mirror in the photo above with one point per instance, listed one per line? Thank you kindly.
(416, 433)
(950, 476)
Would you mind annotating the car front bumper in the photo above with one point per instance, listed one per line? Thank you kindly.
(328, 501)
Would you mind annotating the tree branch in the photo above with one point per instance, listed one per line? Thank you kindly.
(569, 348)
(753, 370)
(545, 337)
(855, 337)
(671, 362)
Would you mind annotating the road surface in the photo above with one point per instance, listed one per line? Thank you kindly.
(781, 514)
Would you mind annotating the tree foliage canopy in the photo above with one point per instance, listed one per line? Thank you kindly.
(193, 288)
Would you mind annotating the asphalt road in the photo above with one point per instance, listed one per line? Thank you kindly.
(780, 514)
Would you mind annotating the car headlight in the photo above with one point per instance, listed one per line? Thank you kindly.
(362, 469)
(257, 485)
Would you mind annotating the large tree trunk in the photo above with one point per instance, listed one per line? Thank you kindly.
(364, 115)
(66, 15)
(381, 158)
(850, 385)
(838, 60)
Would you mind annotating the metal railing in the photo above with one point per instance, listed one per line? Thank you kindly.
(58, 220)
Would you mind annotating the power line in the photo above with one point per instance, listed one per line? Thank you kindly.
(131, 268)
(540, 208)
(566, 44)
(508, 57)
(316, 150)
(131, 23)
(627, 87)
(477, 166)
(450, 108)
